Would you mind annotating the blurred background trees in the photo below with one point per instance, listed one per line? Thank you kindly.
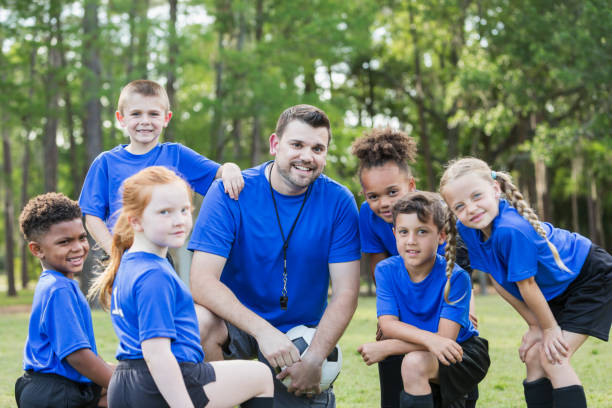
(525, 85)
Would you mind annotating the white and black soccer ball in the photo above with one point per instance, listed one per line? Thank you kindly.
(301, 336)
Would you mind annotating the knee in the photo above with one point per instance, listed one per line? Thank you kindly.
(212, 328)
(264, 373)
(533, 357)
(415, 366)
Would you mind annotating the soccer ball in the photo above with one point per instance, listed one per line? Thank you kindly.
(301, 336)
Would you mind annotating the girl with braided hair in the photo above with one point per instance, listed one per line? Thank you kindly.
(423, 307)
(385, 175)
(558, 281)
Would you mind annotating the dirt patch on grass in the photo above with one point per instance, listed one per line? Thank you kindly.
(15, 309)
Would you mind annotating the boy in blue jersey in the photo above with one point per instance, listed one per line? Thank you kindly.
(60, 360)
(144, 111)
(423, 310)
(263, 264)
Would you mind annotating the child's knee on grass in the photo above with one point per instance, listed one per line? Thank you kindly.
(418, 367)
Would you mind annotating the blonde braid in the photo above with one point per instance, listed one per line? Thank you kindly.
(514, 196)
(102, 287)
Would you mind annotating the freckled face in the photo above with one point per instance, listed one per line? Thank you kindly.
(383, 186)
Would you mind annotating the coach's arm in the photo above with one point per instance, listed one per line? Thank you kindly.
(209, 292)
(306, 374)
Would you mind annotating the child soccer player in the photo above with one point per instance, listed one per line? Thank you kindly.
(385, 175)
(161, 362)
(144, 111)
(62, 368)
(558, 281)
(423, 310)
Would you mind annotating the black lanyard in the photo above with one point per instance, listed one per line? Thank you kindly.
(284, 299)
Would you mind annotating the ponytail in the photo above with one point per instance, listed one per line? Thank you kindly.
(515, 198)
(102, 286)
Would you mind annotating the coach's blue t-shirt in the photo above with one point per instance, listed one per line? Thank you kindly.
(149, 300)
(246, 232)
(101, 193)
(422, 304)
(376, 234)
(60, 324)
(515, 252)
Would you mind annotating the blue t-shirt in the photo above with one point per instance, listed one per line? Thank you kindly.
(422, 304)
(246, 232)
(60, 324)
(149, 300)
(101, 193)
(515, 252)
(376, 234)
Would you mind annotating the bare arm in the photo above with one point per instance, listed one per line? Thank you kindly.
(100, 233)
(517, 304)
(442, 343)
(210, 292)
(166, 372)
(377, 351)
(374, 259)
(306, 374)
(554, 344)
(87, 363)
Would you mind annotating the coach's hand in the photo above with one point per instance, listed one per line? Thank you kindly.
(305, 376)
(277, 348)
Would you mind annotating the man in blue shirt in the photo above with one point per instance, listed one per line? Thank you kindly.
(263, 264)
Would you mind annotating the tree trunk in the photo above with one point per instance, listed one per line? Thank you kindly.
(541, 189)
(75, 169)
(9, 258)
(92, 124)
(420, 101)
(256, 133)
(577, 163)
(216, 133)
(50, 128)
(142, 52)
(173, 50)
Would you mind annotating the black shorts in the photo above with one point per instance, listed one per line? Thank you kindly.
(455, 381)
(133, 386)
(586, 305)
(40, 390)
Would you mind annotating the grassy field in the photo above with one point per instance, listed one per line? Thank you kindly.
(357, 386)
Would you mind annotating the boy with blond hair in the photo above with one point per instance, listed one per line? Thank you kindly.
(144, 111)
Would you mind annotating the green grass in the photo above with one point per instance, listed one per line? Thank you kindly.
(24, 297)
(358, 386)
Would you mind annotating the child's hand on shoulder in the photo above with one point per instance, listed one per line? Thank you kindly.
(232, 180)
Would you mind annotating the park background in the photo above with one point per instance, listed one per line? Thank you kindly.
(524, 85)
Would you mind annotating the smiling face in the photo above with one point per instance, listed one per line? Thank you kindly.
(144, 118)
(300, 156)
(474, 201)
(62, 248)
(383, 186)
(165, 221)
(417, 243)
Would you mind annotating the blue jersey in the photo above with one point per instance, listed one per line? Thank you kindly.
(376, 234)
(149, 300)
(60, 324)
(101, 193)
(246, 232)
(422, 304)
(515, 252)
